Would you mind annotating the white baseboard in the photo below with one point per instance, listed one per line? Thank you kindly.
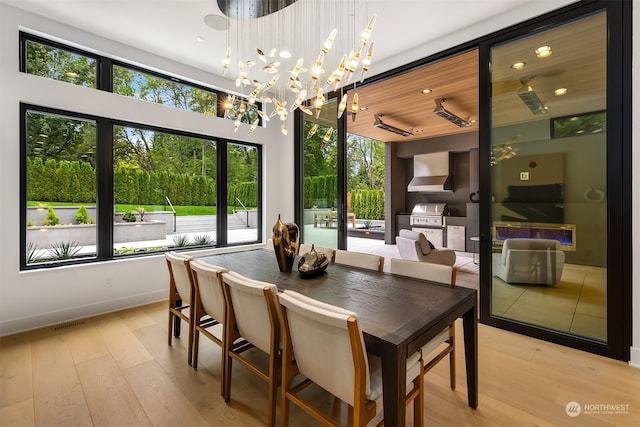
(634, 359)
(41, 320)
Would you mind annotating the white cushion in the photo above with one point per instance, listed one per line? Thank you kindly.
(357, 259)
(250, 308)
(209, 288)
(422, 270)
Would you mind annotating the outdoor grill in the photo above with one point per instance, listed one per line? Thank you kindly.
(428, 215)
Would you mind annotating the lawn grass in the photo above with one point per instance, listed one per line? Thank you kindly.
(180, 210)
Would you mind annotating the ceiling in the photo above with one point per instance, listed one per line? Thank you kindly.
(170, 28)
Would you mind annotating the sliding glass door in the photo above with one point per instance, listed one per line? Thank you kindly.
(552, 178)
(320, 218)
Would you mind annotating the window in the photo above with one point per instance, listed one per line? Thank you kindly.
(579, 124)
(95, 188)
(58, 63)
(164, 190)
(163, 90)
(60, 187)
(242, 193)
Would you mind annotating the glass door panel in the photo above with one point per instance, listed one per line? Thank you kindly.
(242, 193)
(320, 172)
(549, 179)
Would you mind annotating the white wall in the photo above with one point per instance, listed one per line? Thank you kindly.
(33, 299)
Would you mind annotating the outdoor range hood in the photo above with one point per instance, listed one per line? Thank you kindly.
(431, 173)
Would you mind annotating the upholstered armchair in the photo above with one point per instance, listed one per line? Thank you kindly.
(529, 261)
(414, 245)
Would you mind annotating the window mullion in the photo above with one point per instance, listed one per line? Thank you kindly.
(104, 189)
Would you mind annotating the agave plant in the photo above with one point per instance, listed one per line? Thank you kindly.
(64, 250)
(31, 252)
(202, 240)
(180, 240)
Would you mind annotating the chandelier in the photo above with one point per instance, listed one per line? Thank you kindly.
(289, 54)
(505, 151)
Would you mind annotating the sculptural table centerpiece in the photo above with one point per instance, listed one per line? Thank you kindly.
(285, 243)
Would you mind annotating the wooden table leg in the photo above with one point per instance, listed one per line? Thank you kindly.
(394, 382)
(470, 325)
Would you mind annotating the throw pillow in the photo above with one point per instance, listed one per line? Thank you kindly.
(425, 245)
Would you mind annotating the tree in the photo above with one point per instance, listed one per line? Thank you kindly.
(365, 158)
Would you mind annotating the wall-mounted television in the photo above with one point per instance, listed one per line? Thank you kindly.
(564, 233)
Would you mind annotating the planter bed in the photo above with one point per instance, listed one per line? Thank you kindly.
(85, 234)
(367, 233)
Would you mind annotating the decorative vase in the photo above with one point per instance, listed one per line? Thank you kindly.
(285, 243)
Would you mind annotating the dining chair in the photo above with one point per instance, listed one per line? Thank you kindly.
(269, 244)
(324, 343)
(252, 321)
(358, 259)
(181, 296)
(209, 308)
(441, 274)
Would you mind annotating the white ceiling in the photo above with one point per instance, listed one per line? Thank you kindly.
(169, 28)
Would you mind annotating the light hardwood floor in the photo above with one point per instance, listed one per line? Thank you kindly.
(117, 370)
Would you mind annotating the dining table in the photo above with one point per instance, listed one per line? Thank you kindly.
(397, 314)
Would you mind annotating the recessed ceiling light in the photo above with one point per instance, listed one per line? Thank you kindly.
(200, 39)
(518, 65)
(425, 91)
(285, 54)
(217, 22)
(560, 91)
(543, 51)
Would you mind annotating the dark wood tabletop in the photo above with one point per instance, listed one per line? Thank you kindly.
(397, 314)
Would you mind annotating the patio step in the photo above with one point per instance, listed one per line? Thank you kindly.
(197, 223)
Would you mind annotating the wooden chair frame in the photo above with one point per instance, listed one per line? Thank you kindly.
(235, 345)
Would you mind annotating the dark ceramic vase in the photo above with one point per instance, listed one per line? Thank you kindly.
(285, 244)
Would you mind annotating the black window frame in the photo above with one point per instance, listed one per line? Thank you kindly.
(104, 72)
(104, 186)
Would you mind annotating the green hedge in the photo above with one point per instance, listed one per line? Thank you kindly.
(320, 191)
(368, 204)
(246, 192)
(64, 181)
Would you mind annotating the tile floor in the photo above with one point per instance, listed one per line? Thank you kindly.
(577, 304)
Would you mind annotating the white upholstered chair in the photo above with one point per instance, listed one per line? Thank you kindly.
(252, 320)
(209, 308)
(269, 244)
(529, 261)
(445, 340)
(415, 245)
(358, 259)
(181, 296)
(324, 344)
